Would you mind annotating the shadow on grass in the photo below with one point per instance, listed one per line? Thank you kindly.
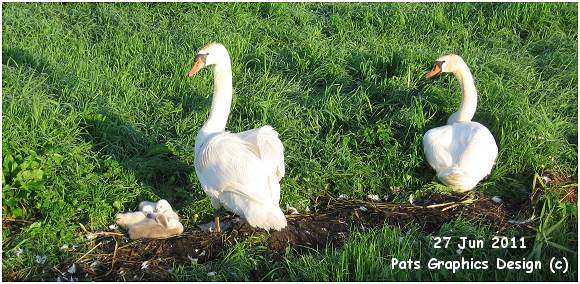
(153, 163)
(22, 58)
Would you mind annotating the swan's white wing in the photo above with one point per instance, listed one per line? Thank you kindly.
(475, 149)
(437, 145)
(265, 141)
(227, 163)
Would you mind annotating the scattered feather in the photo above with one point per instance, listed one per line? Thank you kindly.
(546, 179)
(194, 260)
(145, 264)
(72, 269)
(40, 259)
(210, 226)
(291, 209)
(374, 197)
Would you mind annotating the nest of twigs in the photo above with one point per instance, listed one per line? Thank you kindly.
(336, 218)
(116, 258)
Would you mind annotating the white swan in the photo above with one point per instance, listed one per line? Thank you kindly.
(239, 171)
(462, 152)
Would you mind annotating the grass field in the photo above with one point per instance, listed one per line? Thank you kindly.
(98, 114)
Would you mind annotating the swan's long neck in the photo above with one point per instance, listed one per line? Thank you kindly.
(222, 98)
(468, 96)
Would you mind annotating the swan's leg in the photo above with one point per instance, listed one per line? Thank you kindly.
(218, 228)
(215, 203)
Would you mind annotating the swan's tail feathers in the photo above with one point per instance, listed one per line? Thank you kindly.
(458, 179)
(258, 212)
(266, 217)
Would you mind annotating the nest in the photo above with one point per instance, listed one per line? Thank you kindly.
(116, 258)
(337, 218)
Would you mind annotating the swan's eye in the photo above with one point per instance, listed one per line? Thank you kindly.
(201, 57)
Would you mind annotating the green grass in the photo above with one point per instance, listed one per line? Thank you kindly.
(98, 114)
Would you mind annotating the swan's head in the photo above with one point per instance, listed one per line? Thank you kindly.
(210, 54)
(448, 63)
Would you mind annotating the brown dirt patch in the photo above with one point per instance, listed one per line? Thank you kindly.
(566, 185)
(336, 218)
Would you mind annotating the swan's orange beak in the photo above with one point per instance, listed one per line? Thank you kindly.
(434, 71)
(198, 65)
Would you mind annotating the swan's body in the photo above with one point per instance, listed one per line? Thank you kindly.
(240, 171)
(462, 152)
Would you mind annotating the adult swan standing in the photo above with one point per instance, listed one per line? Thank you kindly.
(462, 152)
(240, 171)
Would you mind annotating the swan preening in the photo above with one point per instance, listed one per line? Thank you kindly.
(239, 171)
(462, 152)
(153, 220)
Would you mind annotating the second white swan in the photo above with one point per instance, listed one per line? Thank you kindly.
(240, 171)
(462, 152)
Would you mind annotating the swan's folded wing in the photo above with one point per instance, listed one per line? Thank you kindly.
(226, 159)
(436, 145)
(480, 152)
(269, 147)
